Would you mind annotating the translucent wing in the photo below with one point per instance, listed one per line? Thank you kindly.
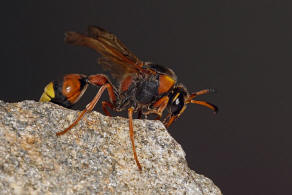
(117, 69)
(116, 58)
(111, 40)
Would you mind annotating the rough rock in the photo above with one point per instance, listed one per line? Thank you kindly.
(95, 157)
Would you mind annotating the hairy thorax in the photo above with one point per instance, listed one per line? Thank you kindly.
(140, 93)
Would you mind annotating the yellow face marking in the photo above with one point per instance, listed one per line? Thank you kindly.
(48, 93)
(175, 97)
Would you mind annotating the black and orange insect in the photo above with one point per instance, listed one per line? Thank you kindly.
(142, 87)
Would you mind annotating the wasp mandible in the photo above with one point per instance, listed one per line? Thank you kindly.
(141, 87)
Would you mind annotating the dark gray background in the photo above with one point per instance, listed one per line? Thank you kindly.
(241, 48)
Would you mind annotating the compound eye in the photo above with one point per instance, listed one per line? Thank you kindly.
(177, 103)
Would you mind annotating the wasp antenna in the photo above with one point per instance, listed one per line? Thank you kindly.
(206, 104)
(212, 90)
(215, 111)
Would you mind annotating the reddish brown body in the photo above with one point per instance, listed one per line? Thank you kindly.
(141, 87)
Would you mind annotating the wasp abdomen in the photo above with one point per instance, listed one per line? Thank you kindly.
(65, 92)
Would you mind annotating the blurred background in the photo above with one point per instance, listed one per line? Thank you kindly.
(241, 48)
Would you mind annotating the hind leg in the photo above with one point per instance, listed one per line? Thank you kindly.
(97, 80)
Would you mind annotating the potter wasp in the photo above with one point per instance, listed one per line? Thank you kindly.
(141, 87)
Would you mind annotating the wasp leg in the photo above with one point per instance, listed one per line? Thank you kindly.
(139, 114)
(160, 106)
(172, 118)
(88, 108)
(170, 121)
(104, 105)
(100, 80)
(131, 131)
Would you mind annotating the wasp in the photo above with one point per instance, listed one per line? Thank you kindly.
(140, 87)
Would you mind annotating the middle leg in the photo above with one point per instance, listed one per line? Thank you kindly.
(131, 131)
(107, 104)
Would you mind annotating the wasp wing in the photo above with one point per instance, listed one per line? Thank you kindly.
(116, 58)
(111, 40)
(118, 69)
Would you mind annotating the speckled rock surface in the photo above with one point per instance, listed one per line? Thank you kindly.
(95, 157)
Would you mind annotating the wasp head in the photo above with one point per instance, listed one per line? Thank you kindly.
(176, 103)
(178, 100)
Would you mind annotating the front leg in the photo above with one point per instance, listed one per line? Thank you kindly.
(158, 107)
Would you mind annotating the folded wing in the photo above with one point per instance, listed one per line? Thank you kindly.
(116, 58)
